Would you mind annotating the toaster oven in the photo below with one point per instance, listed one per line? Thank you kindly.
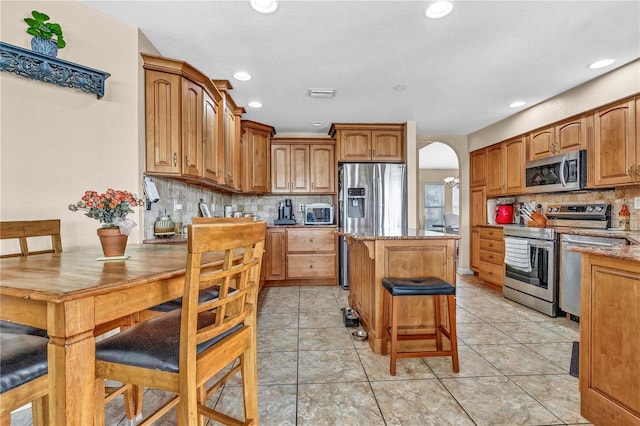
(318, 214)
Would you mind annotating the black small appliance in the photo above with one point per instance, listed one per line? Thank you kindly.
(285, 213)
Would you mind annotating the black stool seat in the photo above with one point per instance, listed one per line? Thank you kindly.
(425, 286)
(23, 358)
(15, 328)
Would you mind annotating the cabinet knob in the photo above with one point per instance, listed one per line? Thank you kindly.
(175, 159)
(186, 160)
(310, 266)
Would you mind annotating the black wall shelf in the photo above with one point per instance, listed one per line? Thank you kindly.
(29, 64)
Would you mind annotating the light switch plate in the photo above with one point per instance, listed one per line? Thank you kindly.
(636, 203)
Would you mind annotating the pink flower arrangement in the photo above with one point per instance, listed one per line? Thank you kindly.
(110, 208)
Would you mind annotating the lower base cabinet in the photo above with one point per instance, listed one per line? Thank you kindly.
(301, 255)
(491, 250)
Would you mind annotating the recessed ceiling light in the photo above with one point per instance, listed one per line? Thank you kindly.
(317, 123)
(242, 76)
(439, 9)
(321, 93)
(255, 104)
(264, 6)
(517, 104)
(399, 87)
(601, 63)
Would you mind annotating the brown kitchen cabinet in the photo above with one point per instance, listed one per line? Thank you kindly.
(505, 167)
(211, 138)
(609, 340)
(491, 253)
(302, 166)
(478, 217)
(273, 260)
(616, 152)
(181, 106)
(567, 135)
(369, 142)
(478, 167)
(231, 130)
(256, 156)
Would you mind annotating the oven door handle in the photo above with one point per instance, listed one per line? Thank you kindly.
(588, 243)
(563, 165)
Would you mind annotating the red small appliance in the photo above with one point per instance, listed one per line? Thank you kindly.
(504, 214)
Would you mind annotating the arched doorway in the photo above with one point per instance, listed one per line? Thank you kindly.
(438, 188)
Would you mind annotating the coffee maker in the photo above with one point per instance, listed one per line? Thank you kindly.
(285, 213)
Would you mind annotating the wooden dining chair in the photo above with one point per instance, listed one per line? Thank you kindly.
(23, 376)
(180, 351)
(25, 229)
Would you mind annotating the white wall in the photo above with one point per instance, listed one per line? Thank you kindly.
(55, 142)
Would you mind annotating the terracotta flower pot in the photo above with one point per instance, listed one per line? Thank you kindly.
(113, 242)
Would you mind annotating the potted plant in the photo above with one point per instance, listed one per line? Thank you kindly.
(43, 33)
(111, 210)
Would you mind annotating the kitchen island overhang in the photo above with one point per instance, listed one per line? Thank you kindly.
(397, 253)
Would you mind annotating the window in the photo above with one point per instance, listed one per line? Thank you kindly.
(455, 200)
(434, 206)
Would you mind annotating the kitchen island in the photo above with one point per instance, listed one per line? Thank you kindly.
(403, 254)
(609, 337)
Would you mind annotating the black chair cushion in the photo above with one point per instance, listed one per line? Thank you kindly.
(23, 357)
(424, 286)
(155, 343)
(14, 328)
(205, 295)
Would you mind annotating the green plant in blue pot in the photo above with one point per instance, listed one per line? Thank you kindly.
(43, 33)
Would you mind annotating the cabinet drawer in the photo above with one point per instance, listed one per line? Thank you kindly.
(492, 245)
(491, 233)
(311, 266)
(311, 240)
(491, 273)
(491, 257)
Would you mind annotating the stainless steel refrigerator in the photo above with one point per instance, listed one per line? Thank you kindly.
(372, 199)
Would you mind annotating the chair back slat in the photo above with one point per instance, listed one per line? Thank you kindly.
(22, 230)
(237, 276)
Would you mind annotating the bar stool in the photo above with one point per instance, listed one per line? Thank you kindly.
(412, 287)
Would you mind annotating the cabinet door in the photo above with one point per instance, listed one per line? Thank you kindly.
(478, 206)
(495, 170)
(162, 122)
(322, 168)
(541, 143)
(274, 254)
(478, 163)
(299, 168)
(475, 250)
(257, 161)
(386, 145)
(571, 135)
(614, 144)
(191, 129)
(355, 145)
(514, 157)
(228, 125)
(211, 139)
(280, 168)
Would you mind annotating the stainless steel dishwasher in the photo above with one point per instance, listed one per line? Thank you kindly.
(570, 267)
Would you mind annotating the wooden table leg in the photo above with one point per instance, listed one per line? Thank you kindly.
(71, 354)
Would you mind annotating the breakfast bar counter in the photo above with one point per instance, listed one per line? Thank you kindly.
(408, 254)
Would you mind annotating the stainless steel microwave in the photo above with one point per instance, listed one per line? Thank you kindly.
(565, 172)
(318, 214)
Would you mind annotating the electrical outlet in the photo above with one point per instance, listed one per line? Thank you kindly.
(301, 207)
(636, 203)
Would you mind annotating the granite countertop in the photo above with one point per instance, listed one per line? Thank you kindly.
(298, 225)
(397, 234)
(176, 239)
(630, 252)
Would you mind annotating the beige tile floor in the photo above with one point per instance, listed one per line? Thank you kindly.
(514, 365)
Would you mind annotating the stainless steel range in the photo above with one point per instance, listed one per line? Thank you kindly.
(533, 260)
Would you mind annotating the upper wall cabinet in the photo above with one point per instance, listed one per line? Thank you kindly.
(478, 165)
(616, 151)
(181, 107)
(565, 136)
(369, 142)
(256, 157)
(505, 167)
(231, 129)
(301, 165)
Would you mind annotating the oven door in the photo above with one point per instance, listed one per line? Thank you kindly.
(530, 267)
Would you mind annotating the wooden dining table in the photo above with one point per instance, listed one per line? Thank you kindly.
(71, 294)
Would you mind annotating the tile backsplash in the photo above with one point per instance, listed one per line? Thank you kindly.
(174, 192)
(616, 197)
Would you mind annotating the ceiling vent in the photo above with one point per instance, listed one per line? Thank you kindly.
(321, 93)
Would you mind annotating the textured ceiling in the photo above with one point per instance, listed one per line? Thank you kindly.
(460, 72)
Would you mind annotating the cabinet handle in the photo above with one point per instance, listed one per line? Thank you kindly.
(175, 159)
(311, 185)
(631, 170)
(638, 170)
(186, 160)
(373, 152)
